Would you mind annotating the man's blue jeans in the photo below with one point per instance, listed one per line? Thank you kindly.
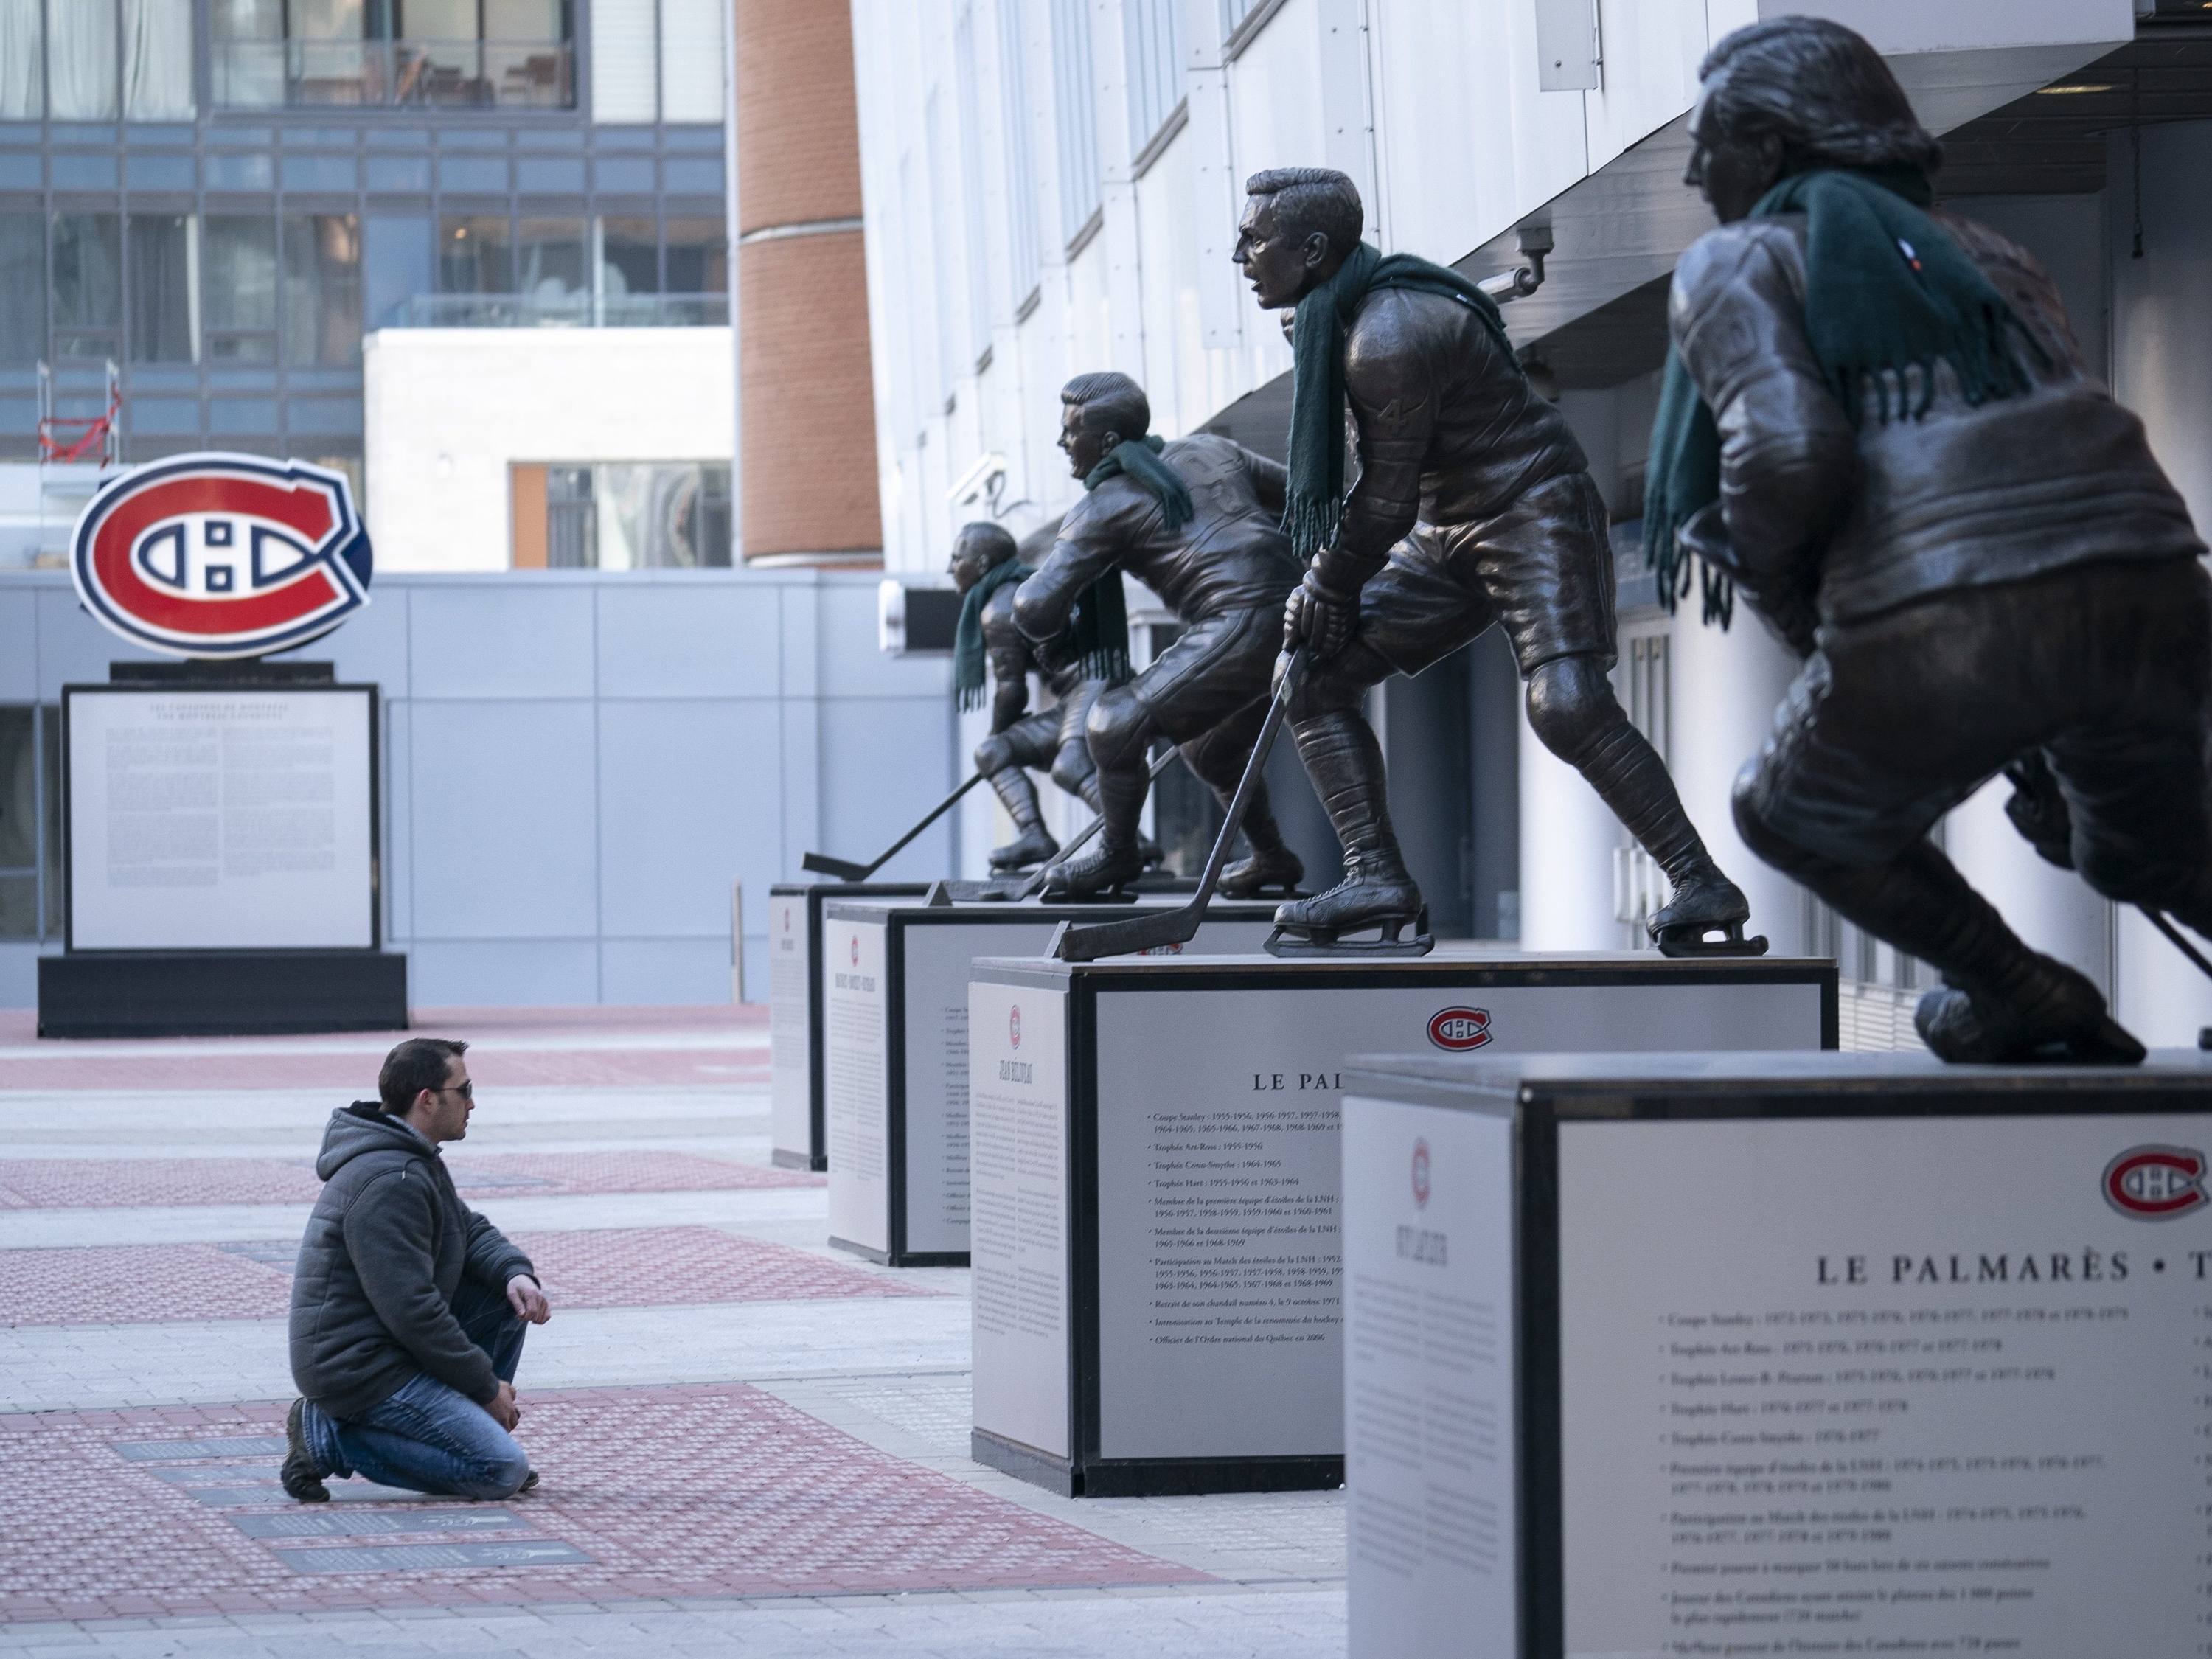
(427, 1436)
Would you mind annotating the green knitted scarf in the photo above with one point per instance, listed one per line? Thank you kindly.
(1314, 501)
(1141, 461)
(968, 660)
(1886, 289)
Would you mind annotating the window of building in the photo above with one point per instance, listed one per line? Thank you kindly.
(165, 288)
(657, 60)
(628, 259)
(88, 285)
(86, 60)
(698, 257)
(238, 289)
(322, 289)
(553, 272)
(397, 263)
(621, 515)
(1154, 32)
(1076, 113)
(30, 822)
(437, 53)
(476, 255)
(22, 60)
(1023, 253)
(23, 280)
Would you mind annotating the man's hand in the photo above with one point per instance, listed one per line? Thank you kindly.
(528, 1301)
(502, 1409)
(1320, 617)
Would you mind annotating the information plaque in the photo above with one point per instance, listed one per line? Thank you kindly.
(799, 1138)
(1772, 1355)
(1155, 1191)
(221, 817)
(894, 988)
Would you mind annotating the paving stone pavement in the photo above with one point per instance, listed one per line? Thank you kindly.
(775, 1465)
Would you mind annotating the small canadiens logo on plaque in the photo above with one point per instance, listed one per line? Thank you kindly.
(1460, 1029)
(2156, 1183)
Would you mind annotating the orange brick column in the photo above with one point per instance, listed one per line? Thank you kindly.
(806, 405)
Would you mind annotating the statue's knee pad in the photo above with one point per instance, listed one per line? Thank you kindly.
(1072, 766)
(1571, 706)
(1118, 729)
(994, 754)
(1323, 693)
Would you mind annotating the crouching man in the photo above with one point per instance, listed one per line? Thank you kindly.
(407, 1306)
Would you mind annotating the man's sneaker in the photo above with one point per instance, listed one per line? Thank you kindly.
(303, 1481)
(529, 1480)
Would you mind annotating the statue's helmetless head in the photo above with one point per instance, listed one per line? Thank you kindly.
(1098, 411)
(978, 548)
(1298, 224)
(1791, 94)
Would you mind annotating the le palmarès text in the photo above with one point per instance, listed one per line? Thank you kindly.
(864, 983)
(1269, 1083)
(1973, 1268)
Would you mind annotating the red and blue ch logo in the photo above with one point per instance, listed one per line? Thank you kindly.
(1014, 1026)
(223, 555)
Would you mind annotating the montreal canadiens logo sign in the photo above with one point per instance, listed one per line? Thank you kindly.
(223, 555)
(1460, 1029)
(2156, 1183)
(1420, 1174)
(1014, 1026)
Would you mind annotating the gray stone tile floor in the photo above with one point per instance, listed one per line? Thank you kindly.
(892, 1372)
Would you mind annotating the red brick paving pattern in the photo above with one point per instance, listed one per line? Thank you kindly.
(720, 1490)
(34, 1183)
(617, 1267)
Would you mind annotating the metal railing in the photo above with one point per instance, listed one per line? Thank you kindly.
(561, 311)
(390, 74)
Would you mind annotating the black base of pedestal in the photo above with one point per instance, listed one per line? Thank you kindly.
(1154, 1477)
(784, 1158)
(143, 993)
(901, 1258)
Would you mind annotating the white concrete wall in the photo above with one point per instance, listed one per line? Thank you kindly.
(448, 410)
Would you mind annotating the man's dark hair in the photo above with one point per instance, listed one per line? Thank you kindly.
(1822, 90)
(1307, 199)
(1110, 402)
(998, 539)
(418, 1063)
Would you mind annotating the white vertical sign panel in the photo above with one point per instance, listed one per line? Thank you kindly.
(856, 1081)
(791, 1042)
(1887, 1386)
(1017, 1116)
(1431, 1453)
(231, 819)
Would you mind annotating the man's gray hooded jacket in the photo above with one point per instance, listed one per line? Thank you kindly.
(387, 1248)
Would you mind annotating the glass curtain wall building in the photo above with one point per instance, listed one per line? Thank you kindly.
(222, 195)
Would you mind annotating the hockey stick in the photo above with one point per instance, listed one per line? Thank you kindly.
(823, 864)
(1180, 926)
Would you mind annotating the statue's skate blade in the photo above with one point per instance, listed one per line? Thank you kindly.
(1330, 942)
(1690, 940)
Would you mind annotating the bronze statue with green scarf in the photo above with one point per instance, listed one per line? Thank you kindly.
(1877, 428)
(986, 569)
(1474, 505)
(1195, 520)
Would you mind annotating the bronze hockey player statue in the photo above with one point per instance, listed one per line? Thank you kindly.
(1513, 532)
(1878, 426)
(1195, 520)
(986, 570)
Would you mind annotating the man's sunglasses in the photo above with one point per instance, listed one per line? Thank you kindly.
(465, 1090)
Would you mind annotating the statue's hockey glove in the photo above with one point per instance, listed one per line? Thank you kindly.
(1321, 618)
